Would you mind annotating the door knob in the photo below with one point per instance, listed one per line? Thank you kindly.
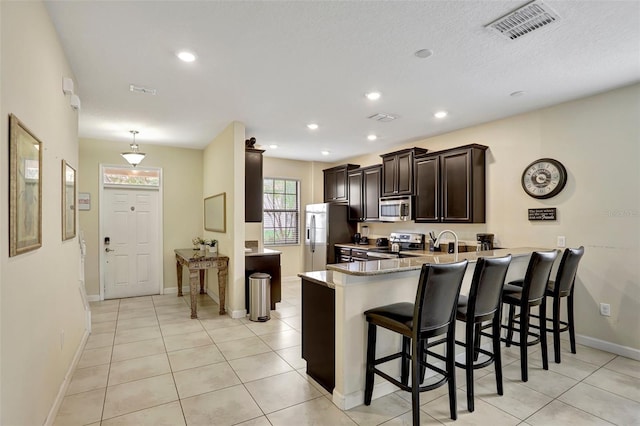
(109, 250)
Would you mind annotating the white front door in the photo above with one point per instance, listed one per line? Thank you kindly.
(132, 257)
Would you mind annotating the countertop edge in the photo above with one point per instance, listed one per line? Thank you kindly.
(262, 252)
(324, 278)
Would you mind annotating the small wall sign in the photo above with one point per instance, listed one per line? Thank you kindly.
(84, 201)
(542, 214)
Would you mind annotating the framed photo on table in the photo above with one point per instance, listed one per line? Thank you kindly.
(68, 201)
(25, 189)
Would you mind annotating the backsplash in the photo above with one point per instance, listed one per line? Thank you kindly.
(466, 232)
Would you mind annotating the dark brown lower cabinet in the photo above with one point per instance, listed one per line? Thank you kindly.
(269, 264)
(318, 332)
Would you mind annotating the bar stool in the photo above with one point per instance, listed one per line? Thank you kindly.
(530, 293)
(482, 304)
(431, 315)
(563, 286)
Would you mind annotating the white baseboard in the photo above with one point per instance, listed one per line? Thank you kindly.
(241, 313)
(93, 297)
(345, 402)
(603, 345)
(53, 412)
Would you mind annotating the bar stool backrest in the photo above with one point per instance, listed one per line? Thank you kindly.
(437, 296)
(486, 286)
(566, 275)
(537, 276)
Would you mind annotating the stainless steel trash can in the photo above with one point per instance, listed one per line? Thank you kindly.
(259, 297)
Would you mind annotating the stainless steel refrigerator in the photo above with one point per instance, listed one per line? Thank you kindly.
(325, 225)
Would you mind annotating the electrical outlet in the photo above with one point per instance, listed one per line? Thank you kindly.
(61, 339)
(562, 242)
(605, 309)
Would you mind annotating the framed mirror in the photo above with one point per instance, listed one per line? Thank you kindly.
(68, 201)
(215, 213)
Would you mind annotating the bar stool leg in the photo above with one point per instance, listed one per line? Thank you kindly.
(415, 380)
(512, 316)
(497, 357)
(406, 347)
(524, 337)
(469, 351)
(451, 370)
(371, 356)
(572, 330)
(543, 333)
(556, 329)
(476, 341)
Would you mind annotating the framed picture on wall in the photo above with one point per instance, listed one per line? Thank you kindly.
(25, 189)
(68, 201)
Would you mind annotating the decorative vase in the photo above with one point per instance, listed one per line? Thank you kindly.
(203, 247)
(213, 249)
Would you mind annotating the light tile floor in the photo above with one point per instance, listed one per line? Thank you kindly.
(147, 363)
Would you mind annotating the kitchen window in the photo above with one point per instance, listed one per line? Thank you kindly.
(281, 214)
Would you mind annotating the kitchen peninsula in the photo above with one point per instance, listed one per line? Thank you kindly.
(359, 286)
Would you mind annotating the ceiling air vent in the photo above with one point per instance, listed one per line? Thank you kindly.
(385, 118)
(140, 89)
(522, 21)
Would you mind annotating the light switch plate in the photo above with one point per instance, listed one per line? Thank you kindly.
(562, 242)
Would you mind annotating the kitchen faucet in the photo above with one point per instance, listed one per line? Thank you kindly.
(455, 241)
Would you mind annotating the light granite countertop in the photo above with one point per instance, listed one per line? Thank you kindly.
(324, 278)
(390, 266)
(255, 251)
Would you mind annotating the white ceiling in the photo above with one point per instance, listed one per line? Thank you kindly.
(277, 65)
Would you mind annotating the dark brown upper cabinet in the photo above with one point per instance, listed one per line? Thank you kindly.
(450, 185)
(253, 186)
(364, 193)
(335, 183)
(397, 171)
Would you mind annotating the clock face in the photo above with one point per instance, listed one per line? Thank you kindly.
(544, 178)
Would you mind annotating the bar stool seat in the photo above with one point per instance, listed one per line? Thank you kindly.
(432, 315)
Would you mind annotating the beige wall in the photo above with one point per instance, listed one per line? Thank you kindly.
(291, 258)
(182, 207)
(224, 172)
(598, 141)
(39, 290)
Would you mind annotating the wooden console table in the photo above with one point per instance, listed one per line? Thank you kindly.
(198, 261)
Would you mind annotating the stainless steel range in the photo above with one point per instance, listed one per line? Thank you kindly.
(398, 241)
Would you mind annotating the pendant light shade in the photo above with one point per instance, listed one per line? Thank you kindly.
(133, 157)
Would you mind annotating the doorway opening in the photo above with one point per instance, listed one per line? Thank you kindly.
(130, 232)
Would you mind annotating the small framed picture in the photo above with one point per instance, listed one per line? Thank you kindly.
(25, 189)
(68, 201)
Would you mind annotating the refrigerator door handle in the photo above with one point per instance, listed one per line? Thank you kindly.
(313, 233)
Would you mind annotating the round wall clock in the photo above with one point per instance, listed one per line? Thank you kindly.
(544, 178)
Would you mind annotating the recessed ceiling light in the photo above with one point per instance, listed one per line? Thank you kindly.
(186, 56)
(273, 146)
(312, 126)
(440, 114)
(517, 94)
(324, 152)
(423, 53)
(372, 137)
(373, 96)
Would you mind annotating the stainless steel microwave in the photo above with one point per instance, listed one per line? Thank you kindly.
(396, 209)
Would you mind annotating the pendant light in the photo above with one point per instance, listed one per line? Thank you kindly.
(133, 157)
